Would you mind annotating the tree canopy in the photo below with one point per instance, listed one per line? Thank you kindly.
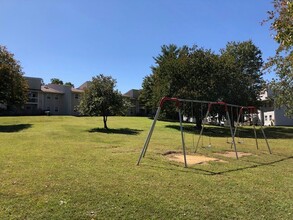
(241, 63)
(232, 76)
(281, 19)
(69, 84)
(56, 81)
(101, 98)
(60, 82)
(13, 86)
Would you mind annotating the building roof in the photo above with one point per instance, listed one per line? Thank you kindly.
(34, 83)
(84, 85)
(77, 90)
(133, 93)
(47, 89)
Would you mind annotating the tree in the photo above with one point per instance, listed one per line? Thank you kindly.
(188, 73)
(168, 76)
(60, 82)
(241, 63)
(146, 96)
(56, 81)
(101, 99)
(282, 62)
(69, 84)
(13, 86)
(234, 76)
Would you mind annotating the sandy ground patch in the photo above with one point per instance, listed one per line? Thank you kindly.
(191, 159)
(232, 154)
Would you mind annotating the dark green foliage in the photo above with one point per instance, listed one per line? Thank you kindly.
(60, 82)
(146, 96)
(69, 84)
(101, 99)
(13, 87)
(241, 63)
(195, 73)
(56, 81)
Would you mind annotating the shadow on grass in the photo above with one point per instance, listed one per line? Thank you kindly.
(244, 132)
(126, 131)
(14, 128)
(252, 166)
(208, 172)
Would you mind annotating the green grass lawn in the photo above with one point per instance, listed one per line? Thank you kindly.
(70, 168)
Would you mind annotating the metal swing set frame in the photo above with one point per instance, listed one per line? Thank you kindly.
(251, 109)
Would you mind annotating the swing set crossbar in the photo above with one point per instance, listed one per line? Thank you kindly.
(208, 102)
(194, 101)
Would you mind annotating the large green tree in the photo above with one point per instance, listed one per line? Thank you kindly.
(101, 98)
(183, 72)
(232, 76)
(281, 19)
(242, 82)
(13, 86)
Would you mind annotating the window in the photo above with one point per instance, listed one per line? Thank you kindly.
(48, 97)
(76, 96)
(56, 97)
(56, 109)
(33, 97)
(48, 108)
(270, 116)
(266, 117)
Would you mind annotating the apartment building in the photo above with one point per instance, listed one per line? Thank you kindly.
(51, 98)
(63, 100)
(136, 108)
(34, 96)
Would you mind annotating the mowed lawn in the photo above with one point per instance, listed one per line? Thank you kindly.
(69, 168)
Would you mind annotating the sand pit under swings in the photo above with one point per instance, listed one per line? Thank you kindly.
(231, 154)
(191, 159)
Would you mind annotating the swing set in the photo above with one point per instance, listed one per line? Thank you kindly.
(179, 103)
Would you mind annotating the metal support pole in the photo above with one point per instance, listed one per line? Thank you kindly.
(147, 141)
(264, 135)
(232, 134)
(202, 127)
(182, 138)
(256, 142)
(237, 124)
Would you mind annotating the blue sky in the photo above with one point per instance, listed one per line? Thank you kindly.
(74, 40)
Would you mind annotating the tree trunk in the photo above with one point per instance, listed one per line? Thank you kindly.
(105, 122)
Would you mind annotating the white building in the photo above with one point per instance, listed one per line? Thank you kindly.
(270, 115)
